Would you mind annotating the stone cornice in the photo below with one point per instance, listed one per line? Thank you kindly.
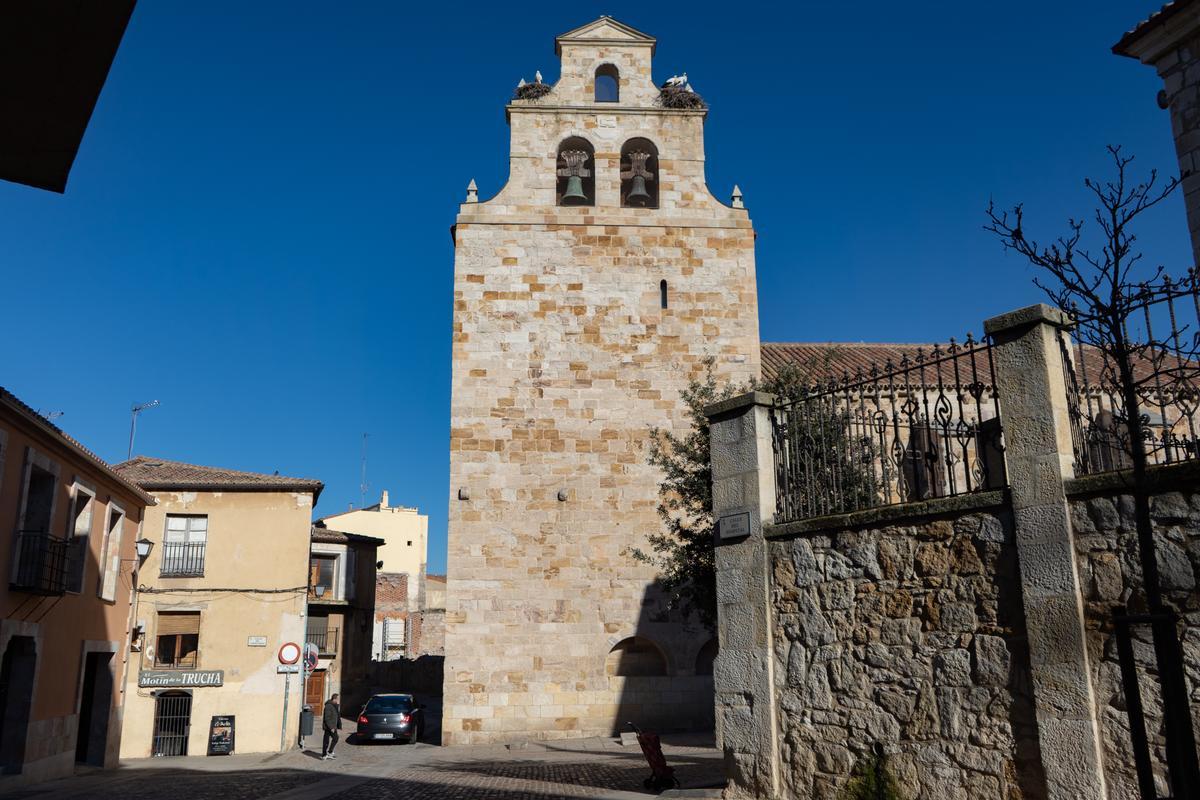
(1150, 40)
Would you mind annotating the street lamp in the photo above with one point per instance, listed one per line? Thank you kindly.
(144, 546)
(137, 409)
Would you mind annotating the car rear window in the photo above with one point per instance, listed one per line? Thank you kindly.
(389, 705)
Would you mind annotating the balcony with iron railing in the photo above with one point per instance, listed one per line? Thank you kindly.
(326, 640)
(43, 563)
(182, 560)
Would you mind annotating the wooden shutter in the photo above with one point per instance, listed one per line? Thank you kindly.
(177, 623)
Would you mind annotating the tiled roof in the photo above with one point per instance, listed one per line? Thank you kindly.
(436, 578)
(836, 360)
(159, 473)
(1142, 28)
(323, 534)
(13, 402)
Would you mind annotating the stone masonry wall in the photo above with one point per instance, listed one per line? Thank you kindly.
(1110, 570)
(910, 635)
(563, 360)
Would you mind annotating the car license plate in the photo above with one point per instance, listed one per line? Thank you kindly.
(382, 735)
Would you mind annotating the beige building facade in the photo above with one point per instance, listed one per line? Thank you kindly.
(70, 526)
(224, 588)
(404, 531)
(588, 292)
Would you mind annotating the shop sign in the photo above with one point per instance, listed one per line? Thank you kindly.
(169, 678)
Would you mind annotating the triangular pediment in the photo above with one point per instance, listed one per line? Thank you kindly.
(605, 29)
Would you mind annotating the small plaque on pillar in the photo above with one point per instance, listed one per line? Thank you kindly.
(733, 526)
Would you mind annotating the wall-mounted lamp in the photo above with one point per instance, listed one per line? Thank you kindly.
(319, 590)
(144, 546)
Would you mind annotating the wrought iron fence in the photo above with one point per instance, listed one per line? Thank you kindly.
(925, 427)
(43, 563)
(1163, 369)
(182, 559)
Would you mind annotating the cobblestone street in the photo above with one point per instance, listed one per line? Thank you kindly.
(593, 768)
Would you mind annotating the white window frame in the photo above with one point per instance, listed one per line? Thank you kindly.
(187, 536)
(110, 552)
(34, 458)
(80, 487)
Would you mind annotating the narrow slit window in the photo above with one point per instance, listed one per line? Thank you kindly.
(662, 293)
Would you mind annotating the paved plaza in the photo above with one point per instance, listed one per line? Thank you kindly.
(588, 768)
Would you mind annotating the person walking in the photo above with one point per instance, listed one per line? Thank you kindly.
(331, 721)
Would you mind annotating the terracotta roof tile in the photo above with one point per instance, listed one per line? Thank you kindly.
(837, 359)
(323, 534)
(159, 473)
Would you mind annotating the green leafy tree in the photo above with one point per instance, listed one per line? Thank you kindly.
(683, 552)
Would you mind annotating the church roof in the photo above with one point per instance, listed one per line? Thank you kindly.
(605, 30)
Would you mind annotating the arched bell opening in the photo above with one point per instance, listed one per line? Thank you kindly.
(639, 174)
(576, 164)
(607, 84)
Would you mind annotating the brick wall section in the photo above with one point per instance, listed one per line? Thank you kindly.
(912, 636)
(1107, 555)
(391, 595)
(562, 362)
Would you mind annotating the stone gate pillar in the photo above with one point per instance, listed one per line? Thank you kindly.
(743, 474)
(1031, 385)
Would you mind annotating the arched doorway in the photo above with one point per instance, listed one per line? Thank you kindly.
(17, 670)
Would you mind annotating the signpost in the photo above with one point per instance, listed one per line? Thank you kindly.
(220, 735)
(289, 653)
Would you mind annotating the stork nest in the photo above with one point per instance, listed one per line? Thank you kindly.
(679, 97)
(531, 91)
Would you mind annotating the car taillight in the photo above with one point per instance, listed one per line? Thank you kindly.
(404, 719)
(362, 719)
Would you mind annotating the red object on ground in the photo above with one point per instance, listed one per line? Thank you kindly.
(661, 776)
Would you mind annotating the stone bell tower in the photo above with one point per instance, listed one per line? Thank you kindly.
(587, 292)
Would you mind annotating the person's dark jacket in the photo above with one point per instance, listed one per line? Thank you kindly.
(331, 717)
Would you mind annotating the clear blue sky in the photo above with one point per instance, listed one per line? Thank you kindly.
(256, 230)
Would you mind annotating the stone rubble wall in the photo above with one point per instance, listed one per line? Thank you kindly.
(1110, 571)
(910, 635)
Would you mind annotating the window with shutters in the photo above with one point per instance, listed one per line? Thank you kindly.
(110, 552)
(184, 543)
(178, 642)
(79, 528)
(322, 576)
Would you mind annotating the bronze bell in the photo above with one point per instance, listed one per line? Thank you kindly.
(637, 191)
(574, 193)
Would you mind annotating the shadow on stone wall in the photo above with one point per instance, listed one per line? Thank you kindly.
(661, 675)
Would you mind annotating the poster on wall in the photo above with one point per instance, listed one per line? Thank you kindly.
(220, 736)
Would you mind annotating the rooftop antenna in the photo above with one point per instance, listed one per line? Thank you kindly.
(50, 416)
(363, 486)
(133, 415)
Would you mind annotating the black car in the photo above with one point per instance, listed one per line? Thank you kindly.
(391, 717)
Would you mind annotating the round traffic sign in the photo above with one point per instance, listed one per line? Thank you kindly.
(289, 653)
(311, 656)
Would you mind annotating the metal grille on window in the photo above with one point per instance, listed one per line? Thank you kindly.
(172, 723)
(184, 544)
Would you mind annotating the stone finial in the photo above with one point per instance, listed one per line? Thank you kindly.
(736, 199)
(472, 192)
